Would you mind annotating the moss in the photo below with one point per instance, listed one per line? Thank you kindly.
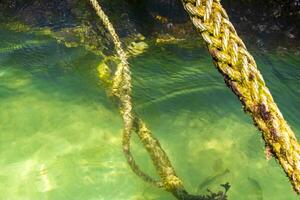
(15, 26)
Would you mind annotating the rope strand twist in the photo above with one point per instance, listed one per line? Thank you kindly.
(238, 67)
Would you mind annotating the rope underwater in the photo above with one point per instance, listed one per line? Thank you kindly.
(238, 67)
(121, 90)
(240, 73)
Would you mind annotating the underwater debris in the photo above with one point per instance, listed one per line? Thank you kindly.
(137, 48)
(211, 196)
(211, 179)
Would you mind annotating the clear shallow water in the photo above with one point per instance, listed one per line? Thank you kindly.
(60, 135)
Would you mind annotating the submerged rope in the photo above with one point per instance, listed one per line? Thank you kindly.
(238, 67)
(121, 89)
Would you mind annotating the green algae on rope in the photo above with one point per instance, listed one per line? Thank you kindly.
(238, 67)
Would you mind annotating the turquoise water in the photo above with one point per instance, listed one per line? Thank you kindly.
(60, 134)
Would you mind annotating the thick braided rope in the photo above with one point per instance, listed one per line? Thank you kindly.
(121, 89)
(241, 74)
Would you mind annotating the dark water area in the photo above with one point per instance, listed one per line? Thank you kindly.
(255, 20)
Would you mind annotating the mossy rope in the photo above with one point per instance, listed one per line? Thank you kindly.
(238, 67)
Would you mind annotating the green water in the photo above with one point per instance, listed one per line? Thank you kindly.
(60, 134)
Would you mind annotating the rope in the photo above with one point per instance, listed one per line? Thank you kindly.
(121, 90)
(238, 67)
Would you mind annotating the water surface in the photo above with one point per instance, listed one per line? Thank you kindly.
(60, 135)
